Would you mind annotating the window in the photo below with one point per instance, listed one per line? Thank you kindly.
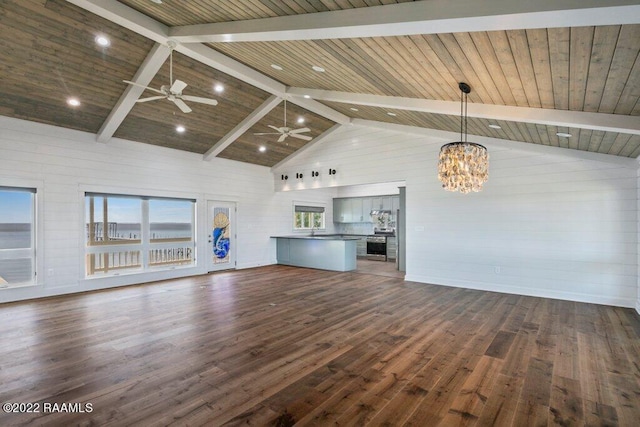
(308, 217)
(17, 236)
(135, 234)
(172, 229)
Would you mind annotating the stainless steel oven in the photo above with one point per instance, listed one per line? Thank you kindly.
(377, 248)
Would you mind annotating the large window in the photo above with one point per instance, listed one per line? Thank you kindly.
(17, 236)
(308, 217)
(133, 233)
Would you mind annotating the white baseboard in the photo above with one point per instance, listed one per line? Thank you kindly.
(638, 306)
(242, 266)
(517, 290)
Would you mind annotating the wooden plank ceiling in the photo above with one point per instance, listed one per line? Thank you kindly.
(48, 53)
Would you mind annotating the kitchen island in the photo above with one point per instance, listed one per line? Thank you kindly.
(335, 252)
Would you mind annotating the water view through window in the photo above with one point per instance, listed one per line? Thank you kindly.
(132, 233)
(17, 239)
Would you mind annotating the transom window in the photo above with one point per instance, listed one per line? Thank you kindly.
(135, 233)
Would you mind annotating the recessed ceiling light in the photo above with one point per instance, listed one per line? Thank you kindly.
(392, 114)
(495, 127)
(218, 88)
(180, 129)
(262, 149)
(157, 1)
(74, 102)
(276, 67)
(306, 96)
(102, 41)
(353, 109)
(563, 135)
(300, 120)
(318, 69)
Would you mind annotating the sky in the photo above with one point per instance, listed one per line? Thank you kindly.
(15, 206)
(128, 210)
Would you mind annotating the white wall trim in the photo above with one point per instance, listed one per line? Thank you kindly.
(518, 290)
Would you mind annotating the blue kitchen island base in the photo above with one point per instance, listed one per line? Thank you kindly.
(325, 252)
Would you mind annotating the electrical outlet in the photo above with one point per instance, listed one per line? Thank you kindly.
(497, 269)
(50, 272)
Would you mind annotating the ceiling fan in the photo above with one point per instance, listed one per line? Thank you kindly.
(285, 131)
(173, 92)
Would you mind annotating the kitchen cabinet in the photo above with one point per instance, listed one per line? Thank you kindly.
(380, 203)
(337, 253)
(386, 203)
(392, 246)
(351, 210)
(366, 209)
(376, 203)
(395, 204)
(358, 209)
(342, 210)
(361, 247)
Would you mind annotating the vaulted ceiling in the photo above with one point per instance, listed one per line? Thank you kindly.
(536, 69)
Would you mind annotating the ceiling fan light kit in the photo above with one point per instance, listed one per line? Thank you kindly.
(463, 166)
(173, 91)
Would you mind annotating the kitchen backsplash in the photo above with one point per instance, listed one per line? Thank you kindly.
(364, 228)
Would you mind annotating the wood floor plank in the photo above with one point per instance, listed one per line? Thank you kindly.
(280, 345)
(566, 407)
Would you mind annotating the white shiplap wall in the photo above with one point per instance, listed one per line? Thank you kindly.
(65, 163)
(550, 222)
(638, 210)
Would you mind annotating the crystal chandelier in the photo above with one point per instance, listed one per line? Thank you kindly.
(463, 166)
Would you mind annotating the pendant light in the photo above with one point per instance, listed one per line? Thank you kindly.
(463, 166)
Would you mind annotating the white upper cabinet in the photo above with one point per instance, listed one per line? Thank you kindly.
(358, 209)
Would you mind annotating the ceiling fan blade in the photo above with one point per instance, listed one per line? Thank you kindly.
(177, 86)
(143, 86)
(282, 137)
(151, 98)
(268, 133)
(305, 137)
(300, 131)
(199, 99)
(181, 105)
(275, 128)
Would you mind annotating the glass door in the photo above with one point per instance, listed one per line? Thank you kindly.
(221, 252)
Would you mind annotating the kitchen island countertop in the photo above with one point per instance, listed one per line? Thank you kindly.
(319, 237)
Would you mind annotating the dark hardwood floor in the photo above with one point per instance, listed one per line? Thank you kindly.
(378, 268)
(277, 345)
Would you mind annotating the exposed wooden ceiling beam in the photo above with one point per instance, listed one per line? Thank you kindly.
(441, 136)
(242, 127)
(423, 17)
(319, 108)
(127, 17)
(145, 26)
(149, 68)
(579, 119)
